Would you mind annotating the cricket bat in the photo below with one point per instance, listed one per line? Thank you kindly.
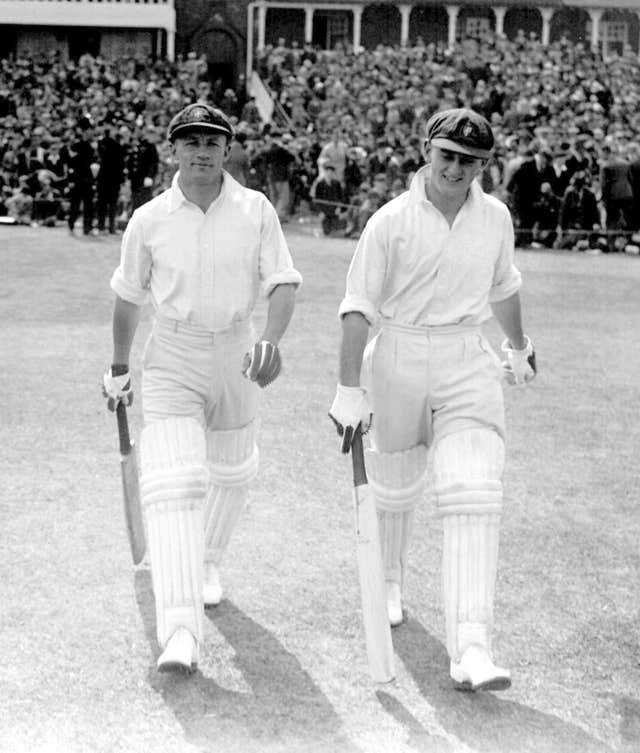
(372, 586)
(130, 487)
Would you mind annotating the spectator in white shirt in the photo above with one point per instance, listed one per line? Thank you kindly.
(201, 252)
(429, 268)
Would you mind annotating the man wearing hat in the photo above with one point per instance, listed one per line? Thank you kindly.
(201, 252)
(430, 268)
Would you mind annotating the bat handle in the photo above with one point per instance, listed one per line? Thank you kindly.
(123, 429)
(357, 459)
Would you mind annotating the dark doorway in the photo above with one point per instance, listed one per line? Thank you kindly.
(83, 40)
(223, 72)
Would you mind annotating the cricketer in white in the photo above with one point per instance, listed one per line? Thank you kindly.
(430, 268)
(201, 252)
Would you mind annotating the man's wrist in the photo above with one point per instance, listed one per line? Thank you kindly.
(119, 369)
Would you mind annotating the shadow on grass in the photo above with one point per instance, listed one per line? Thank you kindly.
(486, 722)
(285, 710)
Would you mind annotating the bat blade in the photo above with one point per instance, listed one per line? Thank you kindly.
(375, 618)
(130, 488)
(132, 509)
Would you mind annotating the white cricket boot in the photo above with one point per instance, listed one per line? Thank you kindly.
(476, 671)
(180, 654)
(394, 604)
(211, 587)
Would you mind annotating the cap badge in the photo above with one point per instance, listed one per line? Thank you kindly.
(467, 130)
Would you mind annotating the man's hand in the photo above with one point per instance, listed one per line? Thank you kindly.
(263, 363)
(116, 386)
(350, 408)
(520, 366)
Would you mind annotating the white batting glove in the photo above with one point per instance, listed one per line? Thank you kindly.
(117, 389)
(263, 363)
(350, 409)
(520, 366)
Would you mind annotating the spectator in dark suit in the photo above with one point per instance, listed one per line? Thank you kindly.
(142, 167)
(523, 190)
(83, 166)
(617, 193)
(110, 178)
(634, 179)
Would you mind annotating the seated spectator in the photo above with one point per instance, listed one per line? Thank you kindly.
(547, 214)
(579, 216)
(47, 203)
(19, 203)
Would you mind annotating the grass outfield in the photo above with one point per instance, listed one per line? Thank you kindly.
(283, 667)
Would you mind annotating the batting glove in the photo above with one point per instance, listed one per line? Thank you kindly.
(520, 366)
(263, 363)
(350, 409)
(116, 387)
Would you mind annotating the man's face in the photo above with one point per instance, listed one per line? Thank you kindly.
(200, 156)
(453, 172)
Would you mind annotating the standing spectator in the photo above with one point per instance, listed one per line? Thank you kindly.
(523, 191)
(110, 178)
(334, 152)
(615, 186)
(83, 166)
(353, 176)
(328, 198)
(237, 163)
(278, 160)
(634, 179)
(379, 160)
(142, 167)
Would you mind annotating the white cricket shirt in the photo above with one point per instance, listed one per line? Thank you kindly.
(204, 268)
(412, 268)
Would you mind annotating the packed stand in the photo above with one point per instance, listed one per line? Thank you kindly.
(84, 143)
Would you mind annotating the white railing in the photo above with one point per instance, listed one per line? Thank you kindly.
(140, 14)
(87, 2)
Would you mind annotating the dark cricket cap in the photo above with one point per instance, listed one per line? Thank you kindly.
(461, 130)
(199, 117)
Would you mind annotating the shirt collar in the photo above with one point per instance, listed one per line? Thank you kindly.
(176, 198)
(418, 192)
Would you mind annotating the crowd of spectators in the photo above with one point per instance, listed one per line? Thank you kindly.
(86, 138)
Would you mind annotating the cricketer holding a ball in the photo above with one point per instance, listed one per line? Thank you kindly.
(430, 268)
(201, 252)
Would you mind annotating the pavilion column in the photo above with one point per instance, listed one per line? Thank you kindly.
(547, 15)
(595, 14)
(262, 25)
(500, 14)
(405, 13)
(308, 24)
(452, 11)
(357, 28)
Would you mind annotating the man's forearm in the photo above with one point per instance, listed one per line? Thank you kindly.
(126, 317)
(281, 304)
(355, 331)
(509, 317)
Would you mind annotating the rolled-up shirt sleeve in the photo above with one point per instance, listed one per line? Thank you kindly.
(276, 264)
(365, 278)
(507, 279)
(131, 278)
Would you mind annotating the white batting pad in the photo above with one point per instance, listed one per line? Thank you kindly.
(468, 467)
(233, 459)
(173, 483)
(397, 481)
